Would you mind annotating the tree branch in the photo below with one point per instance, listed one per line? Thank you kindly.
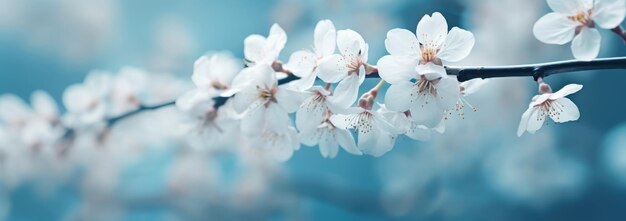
(463, 73)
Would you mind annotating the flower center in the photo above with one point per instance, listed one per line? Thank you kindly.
(550, 108)
(361, 122)
(267, 95)
(584, 18)
(428, 55)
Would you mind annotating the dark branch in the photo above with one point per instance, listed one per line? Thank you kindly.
(620, 32)
(463, 73)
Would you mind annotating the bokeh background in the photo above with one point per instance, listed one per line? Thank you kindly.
(478, 170)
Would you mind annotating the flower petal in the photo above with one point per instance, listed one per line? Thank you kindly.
(402, 42)
(288, 99)
(333, 68)
(554, 28)
(569, 111)
(309, 137)
(44, 104)
(301, 63)
(428, 114)
(328, 146)
(457, 46)
(324, 38)
(535, 121)
(350, 43)
(309, 116)
(254, 48)
(346, 91)
(419, 132)
(431, 71)
(448, 92)
(609, 14)
(432, 31)
(345, 139)
(400, 97)
(570, 7)
(276, 119)
(397, 69)
(523, 124)
(253, 121)
(586, 45)
(567, 90)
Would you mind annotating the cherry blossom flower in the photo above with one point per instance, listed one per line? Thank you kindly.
(554, 105)
(405, 124)
(315, 107)
(347, 68)
(467, 88)
(262, 50)
(329, 137)
(85, 106)
(575, 21)
(419, 57)
(211, 76)
(277, 144)
(43, 128)
(376, 135)
(304, 63)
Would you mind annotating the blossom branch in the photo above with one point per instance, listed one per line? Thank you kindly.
(463, 73)
(620, 32)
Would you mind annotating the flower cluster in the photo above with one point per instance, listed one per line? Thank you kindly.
(253, 102)
(576, 21)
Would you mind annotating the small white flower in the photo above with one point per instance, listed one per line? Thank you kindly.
(315, 107)
(127, 90)
(84, 106)
(279, 145)
(376, 135)
(329, 138)
(43, 128)
(263, 103)
(211, 75)
(575, 21)
(427, 99)
(420, 57)
(262, 50)
(304, 63)
(405, 124)
(553, 105)
(347, 68)
(467, 88)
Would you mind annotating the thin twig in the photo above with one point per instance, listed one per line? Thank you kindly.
(463, 73)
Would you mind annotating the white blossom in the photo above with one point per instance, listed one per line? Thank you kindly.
(304, 63)
(347, 68)
(262, 50)
(554, 105)
(576, 20)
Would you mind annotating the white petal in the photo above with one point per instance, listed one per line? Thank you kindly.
(243, 79)
(609, 14)
(277, 119)
(457, 46)
(309, 116)
(554, 28)
(309, 137)
(419, 132)
(223, 67)
(276, 41)
(288, 99)
(570, 7)
(190, 99)
(431, 71)
(201, 72)
(345, 139)
(400, 97)
(350, 43)
(333, 68)
(375, 142)
(253, 122)
(432, 31)
(328, 146)
(427, 114)
(569, 111)
(243, 100)
(471, 86)
(346, 91)
(44, 104)
(301, 63)
(254, 48)
(285, 145)
(77, 98)
(448, 92)
(523, 124)
(396, 69)
(535, 121)
(567, 90)
(265, 76)
(402, 42)
(325, 37)
(586, 45)
(303, 84)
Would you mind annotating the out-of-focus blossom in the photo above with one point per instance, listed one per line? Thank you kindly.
(576, 20)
